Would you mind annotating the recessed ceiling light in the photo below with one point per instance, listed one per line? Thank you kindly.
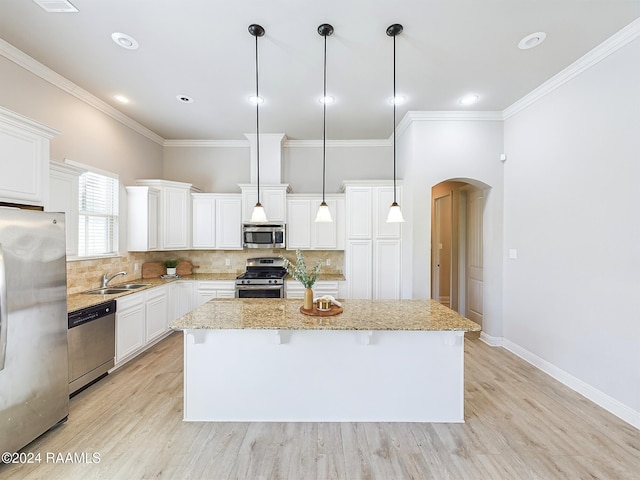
(184, 99)
(121, 98)
(398, 99)
(532, 40)
(328, 100)
(124, 40)
(469, 99)
(256, 100)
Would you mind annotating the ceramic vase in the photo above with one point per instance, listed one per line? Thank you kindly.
(308, 299)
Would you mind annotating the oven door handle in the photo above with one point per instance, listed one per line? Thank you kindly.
(259, 287)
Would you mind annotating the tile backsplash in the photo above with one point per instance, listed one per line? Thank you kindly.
(87, 274)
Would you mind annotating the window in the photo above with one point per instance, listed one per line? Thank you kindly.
(98, 215)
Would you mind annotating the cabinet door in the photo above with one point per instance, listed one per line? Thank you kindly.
(275, 204)
(142, 218)
(156, 313)
(359, 213)
(324, 235)
(130, 325)
(231, 293)
(184, 298)
(383, 199)
(359, 269)
(299, 224)
(204, 221)
(387, 261)
(63, 197)
(204, 294)
(176, 218)
(229, 222)
(25, 145)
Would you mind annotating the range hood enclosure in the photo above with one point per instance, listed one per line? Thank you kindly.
(271, 164)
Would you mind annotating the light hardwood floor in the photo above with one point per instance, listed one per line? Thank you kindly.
(520, 424)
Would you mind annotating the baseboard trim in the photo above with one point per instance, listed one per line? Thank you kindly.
(491, 341)
(610, 404)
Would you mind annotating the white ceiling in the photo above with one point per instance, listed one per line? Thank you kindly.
(202, 49)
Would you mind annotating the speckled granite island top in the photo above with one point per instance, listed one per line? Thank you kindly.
(284, 314)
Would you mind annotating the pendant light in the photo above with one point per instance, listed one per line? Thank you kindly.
(395, 214)
(324, 215)
(258, 215)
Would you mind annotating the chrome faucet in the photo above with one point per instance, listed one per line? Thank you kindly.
(106, 279)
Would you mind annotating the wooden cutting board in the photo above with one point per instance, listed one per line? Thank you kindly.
(185, 267)
(153, 269)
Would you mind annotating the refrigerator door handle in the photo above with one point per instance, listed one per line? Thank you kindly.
(3, 310)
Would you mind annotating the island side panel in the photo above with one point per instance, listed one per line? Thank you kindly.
(324, 375)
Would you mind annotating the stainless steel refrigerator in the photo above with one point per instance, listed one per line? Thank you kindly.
(34, 377)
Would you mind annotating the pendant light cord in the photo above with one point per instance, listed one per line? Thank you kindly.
(324, 120)
(257, 123)
(394, 119)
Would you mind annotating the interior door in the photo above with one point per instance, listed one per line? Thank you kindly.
(474, 270)
(441, 250)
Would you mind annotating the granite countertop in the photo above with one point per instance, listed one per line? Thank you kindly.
(78, 301)
(284, 314)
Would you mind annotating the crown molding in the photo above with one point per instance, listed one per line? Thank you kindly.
(337, 143)
(207, 143)
(447, 116)
(17, 120)
(30, 64)
(599, 53)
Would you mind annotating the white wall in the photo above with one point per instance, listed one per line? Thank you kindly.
(220, 169)
(344, 160)
(572, 197)
(431, 150)
(88, 135)
(212, 169)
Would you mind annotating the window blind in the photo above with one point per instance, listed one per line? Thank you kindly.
(98, 215)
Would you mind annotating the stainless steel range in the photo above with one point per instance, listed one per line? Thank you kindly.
(263, 278)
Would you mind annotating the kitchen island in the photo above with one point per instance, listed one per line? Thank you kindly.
(379, 360)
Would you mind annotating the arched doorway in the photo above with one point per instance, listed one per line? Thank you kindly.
(456, 246)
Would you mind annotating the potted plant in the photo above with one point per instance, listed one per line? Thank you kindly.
(299, 273)
(171, 265)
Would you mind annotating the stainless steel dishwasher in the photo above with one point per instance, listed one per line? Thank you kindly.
(92, 344)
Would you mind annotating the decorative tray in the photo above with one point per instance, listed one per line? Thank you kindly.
(314, 312)
(165, 277)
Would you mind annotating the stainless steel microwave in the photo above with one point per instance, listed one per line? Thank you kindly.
(263, 235)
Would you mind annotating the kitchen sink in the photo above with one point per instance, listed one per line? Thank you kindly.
(117, 289)
(131, 286)
(106, 291)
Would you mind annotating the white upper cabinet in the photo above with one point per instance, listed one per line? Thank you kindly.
(63, 197)
(302, 230)
(24, 150)
(174, 213)
(142, 219)
(217, 221)
(272, 197)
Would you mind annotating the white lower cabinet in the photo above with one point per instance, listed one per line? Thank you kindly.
(141, 320)
(294, 289)
(156, 313)
(130, 328)
(207, 290)
(184, 298)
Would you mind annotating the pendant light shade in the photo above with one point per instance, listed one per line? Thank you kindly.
(258, 215)
(395, 214)
(324, 215)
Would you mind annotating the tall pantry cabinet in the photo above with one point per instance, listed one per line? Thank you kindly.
(373, 255)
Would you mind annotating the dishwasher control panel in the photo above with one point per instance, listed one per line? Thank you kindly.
(91, 313)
